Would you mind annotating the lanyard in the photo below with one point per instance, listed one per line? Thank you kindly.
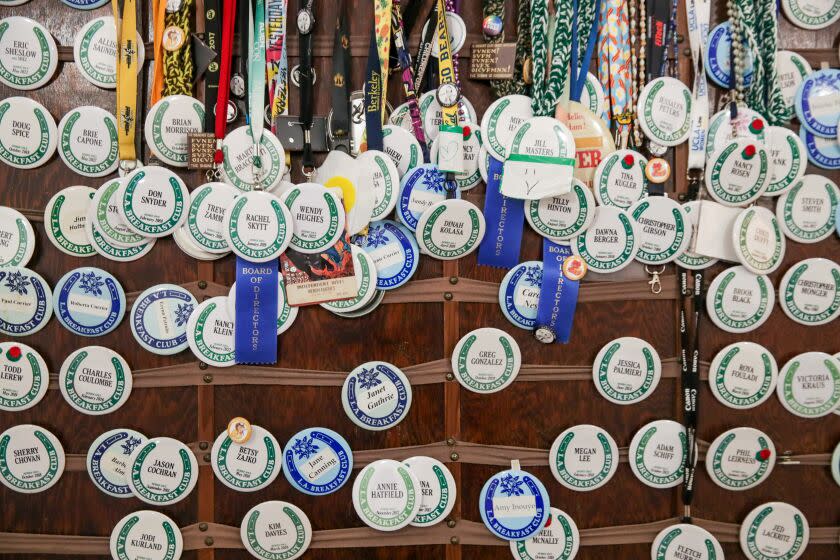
(228, 26)
(256, 80)
(374, 84)
(697, 15)
(690, 373)
(446, 66)
(586, 18)
(614, 63)
(126, 19)
(158, 23)
(213, 34)
(383, 21)
(424, 50)
(306, 81)
(408, 79)
(177, 50)
(658, 13)
(549, 83)
(340, 92)
(277, 63)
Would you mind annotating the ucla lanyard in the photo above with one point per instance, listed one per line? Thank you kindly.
(256, 83)
(408, 79)
(697, 15)
(126, 20)
(277, 62)
(225, 56)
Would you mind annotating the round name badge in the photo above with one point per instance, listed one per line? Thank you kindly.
(486, 360)
(168, 124)
(791, 69)
(758, 240)
(583, 458)
(559, 539)
(89, 301)
(17, 238)
(210, 332)
(111, 251)
(31, 459)
(365, 274)
(450, 229)
(89, 144)
(437, 490)
(657, 454)
(748, 124)
(401, 117)
(275, 530)
(24, 377)
(146, 535)
(809, 292)
(592, 96)
(27, 301)
(95, 380)
(664, 111)
(258, 226)
(30, 56)
(154, 201)
(685, 540)
(65, 217)
(457, 31)
(317, 216)
(514, 504)
(95, 52)
(286, 314)
(394, 251)
(717, 56)
(500, 122)
(366, 310)
(822, 152)
(689, 260)
(610, 242)
(470, 177)
(807, 211)
(620, 179)
(817, 102)
(317, 461)
(378, 170)
(248, 466)
(593, 139)
(163, 471)
(376, 396)
(28, 134)
(811, 14)
(627, 370)
(108, 221)
(564, 216)
(386, 495)
(774, 530)
(205, 218)
(743, 375)
(739, 301)
(107, 460)
(787, 159)
(739, 173)
(740, 458)
(663, 229)
(159, 318)
(519, 294)
(402, 147)
(809, 385)
(183, 240)
(431, 114)
(238, 168)
(420, 189)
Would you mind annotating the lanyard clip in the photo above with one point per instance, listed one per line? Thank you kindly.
(654, 283)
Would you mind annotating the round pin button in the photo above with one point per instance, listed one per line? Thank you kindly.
(457, 30)
(748, 124)
(317, 461)
(739, 173)
(402, 147)
(239, 168)
(536, 138)
(391, 509)
(809, 385)
(610, 242)
(164, 471)
(258, 227)
(817, 102)
(28, 134)
(286, 314)
(108, 221)
(30, 56)
(89, 144)
(110, 250)
(486, 360)
(450, 229)
(366, 277)
(685, 540)
(626, 370)
(514, 504)
(519, 294)
(376, 396)
(401, 117)
(809, 292)
(24, 377)
(663, 229)
(664, 111)
(95, 52)
(209, 205)
(689, 260)
(592, 138)
(210, 332)
(583, 458)
(431, 114)
(563, 216)
(739, 301)
(85, 4)
(378, 170)
(593, 96)
(559, 539)
(500, 122)
(154, 201)
(657, 454)
(168, 125)
(276, 530)
(421, 188)
(317, 216)
(27, 301)
(620, 179)
(811, 14)
(791, 69)
(17, 238)
(107, 460)
(95, 380)
(89, 301)
(31, 459)
(743, 375)
(740, 458)
(366, 310)
(394, 251)
(822, 152)
(247, 466)
(774, 530)
(437, 490)
(146, 535)
(159, 318)
(758, 240)
(787, 159)
(65, 217)
(807, 211)
(182, 238)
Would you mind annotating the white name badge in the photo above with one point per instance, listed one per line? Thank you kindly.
(28, 135)
(663, 229)
(811, 14)
(740, 301)
(168, 125)
(89, 144)
(317, 215)
(740, 459)
(791, 69)
(664, 111)
(743, 375)
(774, 529)
(258, 227)
(65, 217)
(690, 259)
(809, 292)
(17, 238)
(378, 171)
(739, 173)
(450, 229)
(747, 124)
(817, 102)
(713, 233)
(95, 52)
(501, 120)
(787, 159)
(29, 55)
(562, 217)
(540, 160)
(583, 458)
(684, 540)
(620, 179)
(402, 147)
(758, 240)
(807, 211)
(609, 243)
(809, 385)
(154, 200)
(238, 168)
(431, 114)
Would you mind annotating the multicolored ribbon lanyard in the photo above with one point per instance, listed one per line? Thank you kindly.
(125, 16)
(225, 55)
(614, 65)
(277, 62)
(451, 132)
(697, 15)
(408, 79)
(383, 17)
(256, 85)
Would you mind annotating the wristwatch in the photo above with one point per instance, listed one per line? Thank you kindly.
(448, 94)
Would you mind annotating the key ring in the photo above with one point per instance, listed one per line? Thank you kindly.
(655, 284)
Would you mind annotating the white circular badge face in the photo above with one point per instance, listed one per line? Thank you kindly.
(563, 216)
(168, 124)
(809, 385)
(107, 219)
(154, 201)
(500, 122)
(740, 458)
(89, 301)
(739, 301)
(17, 238)
(748, 124)
(609, 243)
(111, 251)
(758, 240)
(774, 530)
(657, 454)
(807, 211)
(65, 217)
(809, 292)
(450, 229)
(163, 471)
(24, 377)
(402, 147)
(89, 144)
(620, 179)
(583, 458)
(592, 96)
(811, 14)
(386, 495)
(107, 460)
(791, 69)
(559, 539)
(26, 301)
(317, 215)
(95, 380)
(366, 276)
(31, 459)
(239, 168)
(685, 540)
(519, 294)
(743, 375)
(486, 360)
(542, 137)
(146, 535)
(457, 30)
(205, 218)
(28, 135)
(788, 159)
(276, 530)
(159, 318)
(739, 173)
(432, 114)
(470, 176)
(377, 169)
(30, 56)
(663, 229)
(376, 396)
(249, 466)
(626, 370)
(258, 226)
(437, 490)
(210, 332)
(689, 260)
(664, 111)
(95, 52)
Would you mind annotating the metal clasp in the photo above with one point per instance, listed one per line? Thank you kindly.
(786, 458)
(654, 283)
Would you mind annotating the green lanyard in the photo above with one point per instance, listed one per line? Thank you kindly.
(256, 83)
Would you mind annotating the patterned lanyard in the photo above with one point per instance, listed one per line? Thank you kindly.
(446, 67)
(614, 64)
(549, 84)
(256, 83)
(277, 63)
(408, 80)
(383, 16)
(126, 19)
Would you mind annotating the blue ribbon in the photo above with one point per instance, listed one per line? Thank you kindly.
(373, 97)
(505, 217)
(558, 294)
(255, 330)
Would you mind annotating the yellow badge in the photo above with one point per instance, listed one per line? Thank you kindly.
(574, 268)
(239, 430)
(657, 170)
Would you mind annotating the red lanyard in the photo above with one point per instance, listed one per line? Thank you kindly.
(228, 21)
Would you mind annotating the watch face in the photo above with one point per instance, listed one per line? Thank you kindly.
(237, 85)
(304, 21)
(448, 95)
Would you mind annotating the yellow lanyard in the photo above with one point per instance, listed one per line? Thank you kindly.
(446, 69)
(382, 24)
(126, 20)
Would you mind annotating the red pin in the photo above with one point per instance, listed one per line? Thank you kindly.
(14, 353)
(749, 151)
(757, 125)
(628, 161)
(763, 455)
(467, 132)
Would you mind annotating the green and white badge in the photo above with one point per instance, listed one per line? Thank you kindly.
(28, 135)
(739, 301)
(811, 14)
(65, 217)
(402, 147)
(657, 454)
(809, 385)
(182, 238)
(89, 144)
(683, 541)
(788, 159)
(154, 201)
(592, 96)
(29, 57)
(17, 238)
(107, 460)
(437, 490)
(26, 301)
(431, 113)
(486, 360)
(450, 229)
(95, 380)
(626, 370)
(168, 124)
(239, 169)
(749, 125)
(743, 375)
(275, 530)
(807, 211)
(773, 531)
(377, 169)
(583, 458)
(257, 227)
(620, 179)
(365, 272)
(791, 69)
(540, 160)
(500, 122)
(146, 535)
(664, 111)
(739, 173)
(740, 458)
(559, 539)
(663, 229)
(564, 216)
(609, 243)
(690, 260)
(31, 459)
(758, 240)
(249, 466)
(206, 215)
(95, 52)
(210, 332)
(163, 471)
(809, 292)
(24, 377)
(386, 495)
(111, 250)
(317, 215)
(470, 176)
(107, 220)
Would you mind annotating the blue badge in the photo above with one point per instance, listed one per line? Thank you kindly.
(717, 57)
(505, 218)
(159, 318)
(255, 324)
(817, 102)
(519, 293)
(514, 505)
(394, 251)
(822, 152)
(107, 460)
(421, 188)
(85, 4)
(89, 301)
(27, 301)
(317, 461)
(376, 396)
(558, 295)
